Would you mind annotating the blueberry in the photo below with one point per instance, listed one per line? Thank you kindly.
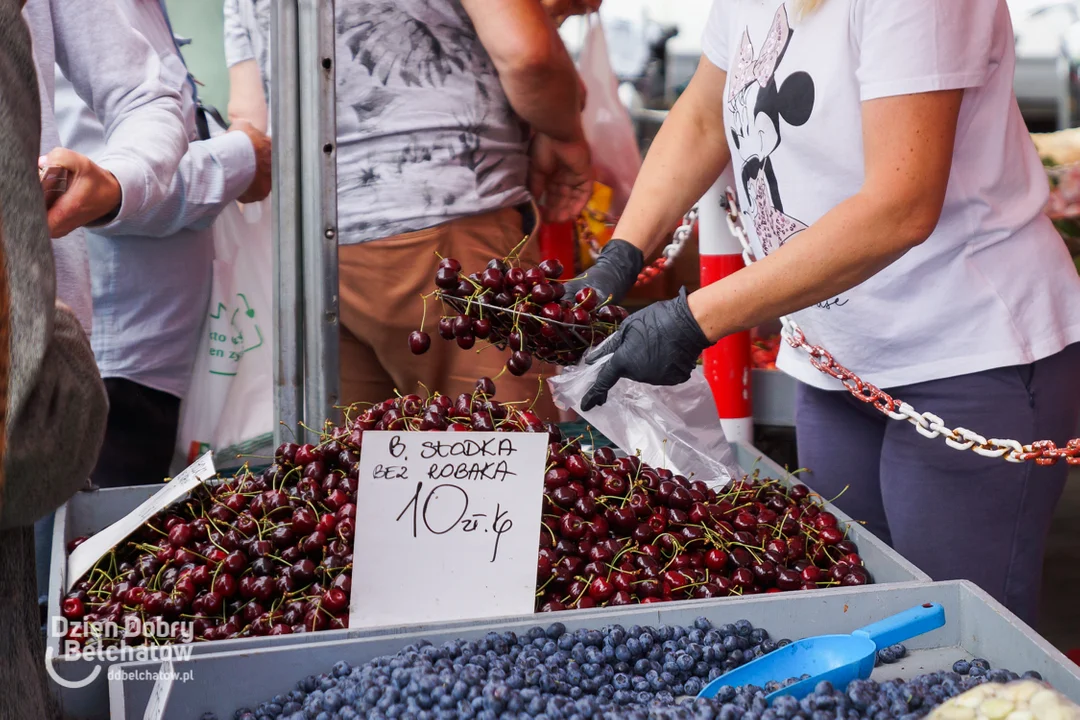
(980, 663)
(961, 667)
(1032, 675)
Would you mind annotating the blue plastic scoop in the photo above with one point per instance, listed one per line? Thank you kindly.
(836, 658)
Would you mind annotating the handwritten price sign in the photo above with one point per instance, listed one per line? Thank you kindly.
(447, 526)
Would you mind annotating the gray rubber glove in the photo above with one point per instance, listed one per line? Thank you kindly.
(659, 345)
(614, 274)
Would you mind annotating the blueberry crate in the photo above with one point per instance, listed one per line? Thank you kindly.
(89, 512)
(976, 626)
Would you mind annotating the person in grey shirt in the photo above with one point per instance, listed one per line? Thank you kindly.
(52, 401)
(151, 271)
(448, 113)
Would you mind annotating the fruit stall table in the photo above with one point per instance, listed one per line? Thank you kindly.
(978, 633)
(89, 512)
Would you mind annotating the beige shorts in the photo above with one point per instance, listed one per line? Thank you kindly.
(381, 283)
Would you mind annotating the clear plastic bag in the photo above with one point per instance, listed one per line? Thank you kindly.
(676, 427)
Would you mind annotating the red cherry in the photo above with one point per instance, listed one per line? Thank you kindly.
(824, 520)
(419, 342)
(788, 579)
(572, 527)
(622, 581)
(481, 328)
(335, 600)
(601, 590)
(446, 328)
(831, 535)
(306, 454)
(303, 521)
(586, 298)
(857, 576)
(743, 577)
(336, 500)
(556, 478)
(72, 608)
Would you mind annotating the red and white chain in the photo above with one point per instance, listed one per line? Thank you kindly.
(1043, 452)
(650, 272)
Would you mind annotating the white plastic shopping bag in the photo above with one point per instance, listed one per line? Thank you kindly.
(607, 124)
(676, 427)
(229, 407)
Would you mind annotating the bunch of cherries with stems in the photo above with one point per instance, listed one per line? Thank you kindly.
(525, 310)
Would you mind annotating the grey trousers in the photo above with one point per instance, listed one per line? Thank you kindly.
(956, 515)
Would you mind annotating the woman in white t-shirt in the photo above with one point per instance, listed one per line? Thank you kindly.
(894, 201)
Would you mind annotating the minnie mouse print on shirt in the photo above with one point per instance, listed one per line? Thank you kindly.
(761, 110)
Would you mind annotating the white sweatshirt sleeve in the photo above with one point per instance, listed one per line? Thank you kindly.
(117, 73)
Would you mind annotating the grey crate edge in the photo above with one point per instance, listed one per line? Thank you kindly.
(87, 512)
(976, 626)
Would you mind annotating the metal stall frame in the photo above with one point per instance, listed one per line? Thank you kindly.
(288, 287)
(306, 383)
(318, 204)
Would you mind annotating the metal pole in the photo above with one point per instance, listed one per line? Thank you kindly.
(288, 299)
(727, 363)
(318, 172)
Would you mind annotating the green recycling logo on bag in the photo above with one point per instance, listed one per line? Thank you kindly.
(229, 406)
(233, 331)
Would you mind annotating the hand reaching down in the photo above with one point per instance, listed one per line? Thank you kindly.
(260, 141)
(560, 177)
